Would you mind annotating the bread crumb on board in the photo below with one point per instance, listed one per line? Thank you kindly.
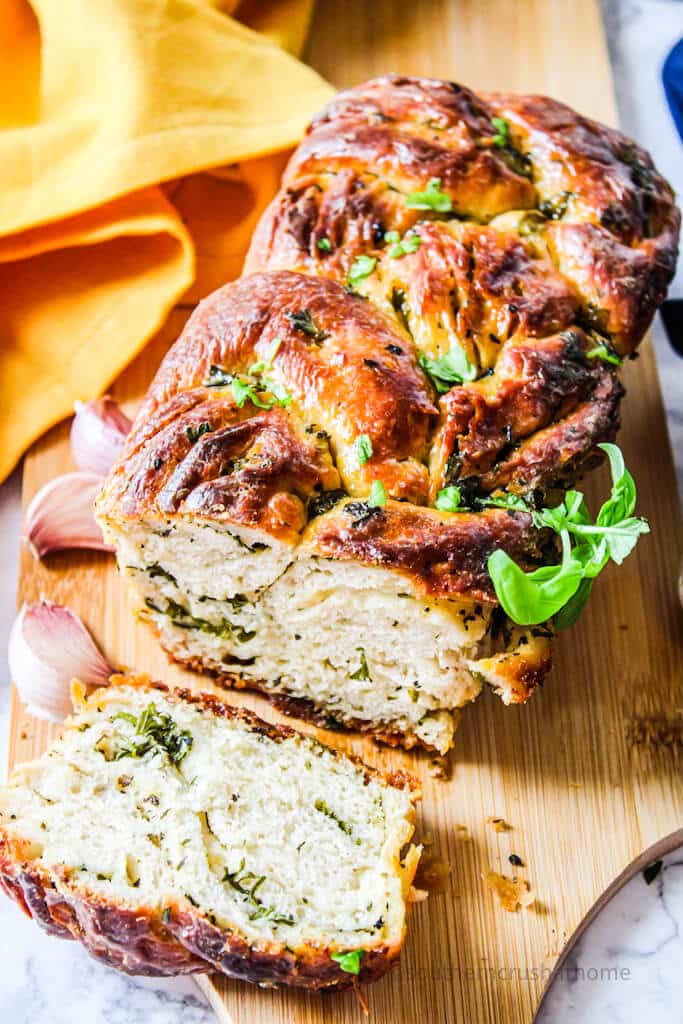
(439, 767)
(432, 874)
(512, 893)
(499, 824)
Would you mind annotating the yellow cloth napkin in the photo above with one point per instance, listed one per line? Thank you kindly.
(103, 100)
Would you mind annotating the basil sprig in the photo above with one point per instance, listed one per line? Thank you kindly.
(559, 592)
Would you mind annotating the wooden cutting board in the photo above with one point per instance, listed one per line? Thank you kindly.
(587, 774)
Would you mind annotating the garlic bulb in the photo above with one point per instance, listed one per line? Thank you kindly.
(97, 434)
(48, 647)
(61, 515)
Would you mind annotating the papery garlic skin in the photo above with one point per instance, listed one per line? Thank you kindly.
(98, 431)
(60, 516)
(48, 647)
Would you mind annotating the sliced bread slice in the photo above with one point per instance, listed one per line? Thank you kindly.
(171, 833)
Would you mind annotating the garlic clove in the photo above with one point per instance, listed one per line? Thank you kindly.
(98, 431)
(60, 516)
(48, 647)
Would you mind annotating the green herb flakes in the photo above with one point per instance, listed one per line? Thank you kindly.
(399, 247)
(154, 732)
(194, 433)
(502, 136)
(363, 448)
(431, 199)
(453, 368)
(324, 245)
(378, 495)
(604, 353)
(305, 324)
(361, 268)
(322, 808)
(349, 962)
(363, 671)
(448, 499)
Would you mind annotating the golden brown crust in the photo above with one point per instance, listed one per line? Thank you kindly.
(138, 941)
(444, 554)
(596, 204)
(179, 940)
(545, 406)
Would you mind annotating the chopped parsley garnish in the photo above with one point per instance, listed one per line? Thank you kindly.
(249, 387)
(449, 499)
(555, 207)
(431, 199)
(410, 242)
(361, 268)
(363, 448)
(603, 352)
(194, 433)
(559, 592)
(453, 368)
(182, 618)
(363, 671)
(243, 392)
(378, 495)
(511, 502)
(218, 377)
(266, 365)
(247, 883)
(155, 732)
(502, 136)
(325, 245)
(305, 324)
(361, 512)
(325, 501)
(349, 962)
(322, 807)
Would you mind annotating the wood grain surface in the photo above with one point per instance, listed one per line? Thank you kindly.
(588, 773)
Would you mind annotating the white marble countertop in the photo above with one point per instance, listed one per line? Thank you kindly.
(47, 981)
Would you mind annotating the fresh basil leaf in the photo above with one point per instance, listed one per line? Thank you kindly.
(530, 598)
(431, 199)
(622, 500)
(378, 495)
(453, 368)
(349, 962)
(363, 448)
(586, 548)
(361, 268)
(568, 615)
(448, 499)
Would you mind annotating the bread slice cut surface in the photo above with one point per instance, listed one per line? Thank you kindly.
(243, 847)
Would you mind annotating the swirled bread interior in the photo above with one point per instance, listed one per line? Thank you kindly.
(157, 802)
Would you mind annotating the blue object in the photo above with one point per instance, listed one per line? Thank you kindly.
(672, 77)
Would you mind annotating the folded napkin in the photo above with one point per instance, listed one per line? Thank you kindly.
(102, 101)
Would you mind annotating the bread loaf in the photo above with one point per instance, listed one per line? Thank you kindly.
(439, 295)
